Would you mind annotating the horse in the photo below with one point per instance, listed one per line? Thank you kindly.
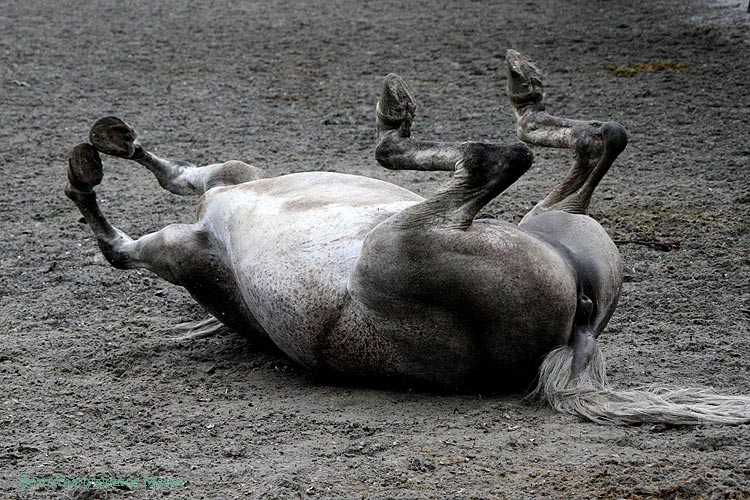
(356, 277)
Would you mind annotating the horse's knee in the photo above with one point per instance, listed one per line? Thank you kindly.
(388, 151)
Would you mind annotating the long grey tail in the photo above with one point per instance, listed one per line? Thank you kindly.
(590, 396)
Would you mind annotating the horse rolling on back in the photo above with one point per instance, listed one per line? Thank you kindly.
(355, 276)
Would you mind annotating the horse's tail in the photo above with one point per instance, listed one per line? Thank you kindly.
(590, 396)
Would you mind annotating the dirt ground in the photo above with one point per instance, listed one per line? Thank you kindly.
(93, 387)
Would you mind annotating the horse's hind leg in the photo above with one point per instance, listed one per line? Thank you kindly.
(595, 145)
(481, 170)
(112, 136)
(396, 149)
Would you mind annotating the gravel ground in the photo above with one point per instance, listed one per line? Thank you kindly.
(91, 385)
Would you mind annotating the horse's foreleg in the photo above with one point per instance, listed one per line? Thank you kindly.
(149, 252)
(595, 144)
(180, 253)
(112, 136)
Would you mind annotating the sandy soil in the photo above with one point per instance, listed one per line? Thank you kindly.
(91, 385)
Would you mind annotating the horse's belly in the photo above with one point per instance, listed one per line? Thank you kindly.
(292, 243)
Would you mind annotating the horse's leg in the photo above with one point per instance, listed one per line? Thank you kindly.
(180, 253)
(436, 228)
(595, 145)
(84, 173)
(396, 149)
(112, 136)
(481, 172)
(469, 280)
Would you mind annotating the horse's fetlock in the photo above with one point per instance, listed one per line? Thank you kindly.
(78, 195)
(387, 149)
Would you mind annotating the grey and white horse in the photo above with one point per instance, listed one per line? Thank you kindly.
(351, 275)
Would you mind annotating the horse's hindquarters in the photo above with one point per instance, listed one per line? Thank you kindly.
(591, 254)
(486, 304)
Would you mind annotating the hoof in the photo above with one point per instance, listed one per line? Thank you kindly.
(525, 85)
(114, 137)
(396, 107)
(84, 168)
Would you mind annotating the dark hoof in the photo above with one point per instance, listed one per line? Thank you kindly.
(397, 106)
(114, 137)
(525, 85)
(84, 168)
